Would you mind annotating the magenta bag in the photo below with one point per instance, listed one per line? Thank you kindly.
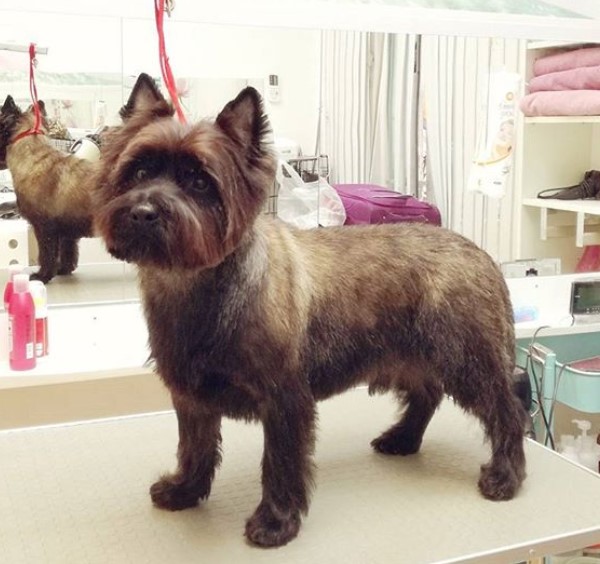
(370, 204)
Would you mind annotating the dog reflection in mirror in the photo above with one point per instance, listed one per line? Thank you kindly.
(52, 188)
(251, 319)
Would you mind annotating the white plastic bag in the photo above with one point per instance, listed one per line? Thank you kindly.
(307, 204)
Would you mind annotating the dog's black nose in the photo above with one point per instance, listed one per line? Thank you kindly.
(143, 213)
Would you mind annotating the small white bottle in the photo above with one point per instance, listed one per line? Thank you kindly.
(40, 302)
(587, 450)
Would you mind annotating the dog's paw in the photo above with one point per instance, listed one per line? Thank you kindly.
(168, 493)
(41, 276)
(269, 527)
(65, 270)
(498, 483)
(396, 443)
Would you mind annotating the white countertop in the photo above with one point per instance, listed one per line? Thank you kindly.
(86, 342)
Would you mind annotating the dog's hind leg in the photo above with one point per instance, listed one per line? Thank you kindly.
(48, 245)
(504, 422)
(68, 255)
(484, 388)
(405, 437)
(198, 456)
(289, 431)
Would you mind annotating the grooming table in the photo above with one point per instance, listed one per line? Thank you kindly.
(79, 493)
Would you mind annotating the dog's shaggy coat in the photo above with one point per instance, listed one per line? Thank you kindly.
(251, 319)
(53, 191)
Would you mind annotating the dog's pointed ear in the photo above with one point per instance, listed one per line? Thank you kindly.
(9, 106)
(42, 107)
(145, 95)
(244, 120)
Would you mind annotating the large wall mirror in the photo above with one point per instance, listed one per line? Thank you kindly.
(374, 101)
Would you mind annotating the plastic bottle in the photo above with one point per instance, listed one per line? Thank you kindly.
(13, 269)
(40, 302)
(21, 325)
(586, 445)
(568, 447)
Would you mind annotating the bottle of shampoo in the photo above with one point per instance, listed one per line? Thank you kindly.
(21, 325)
(40, 302)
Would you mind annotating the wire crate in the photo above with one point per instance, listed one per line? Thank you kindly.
(270, 207)
(61, 144)
(309, 168)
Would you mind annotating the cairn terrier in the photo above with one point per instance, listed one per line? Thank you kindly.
(52, 189)
(252, 319)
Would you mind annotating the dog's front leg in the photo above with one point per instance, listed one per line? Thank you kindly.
(198, 456)
(48, 246)
(289, 433)
(68, 255)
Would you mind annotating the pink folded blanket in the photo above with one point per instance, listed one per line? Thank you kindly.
(585, 57)
(583, 78)
(561, 103)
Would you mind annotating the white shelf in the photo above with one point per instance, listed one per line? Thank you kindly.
(579, 207)
(591, 207)
(86, 343)
(549, 120)
(534, 45)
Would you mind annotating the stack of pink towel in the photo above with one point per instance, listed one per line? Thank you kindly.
(565, 84)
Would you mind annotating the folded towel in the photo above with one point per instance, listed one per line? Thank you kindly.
(585, 57)
(583, 78)
(561, 103)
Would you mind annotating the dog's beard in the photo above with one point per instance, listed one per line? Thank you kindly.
(161, 227)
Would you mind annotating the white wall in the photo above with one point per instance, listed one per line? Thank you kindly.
(102, 44)
(225, 52)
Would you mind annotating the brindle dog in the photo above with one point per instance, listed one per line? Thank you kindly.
(252, 319)
(53, 190)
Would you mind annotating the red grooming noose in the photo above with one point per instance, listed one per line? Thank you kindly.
(165, 67)
(36, 129)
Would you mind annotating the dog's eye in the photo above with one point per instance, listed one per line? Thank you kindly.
(200, 183)
(141, 173)
(196, 180)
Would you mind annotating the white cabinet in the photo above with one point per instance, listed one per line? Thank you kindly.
(555, 152)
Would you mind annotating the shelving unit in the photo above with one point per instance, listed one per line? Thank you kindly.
(555, 152)
(581, 208)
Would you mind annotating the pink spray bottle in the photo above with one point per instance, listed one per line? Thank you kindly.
(21, 325)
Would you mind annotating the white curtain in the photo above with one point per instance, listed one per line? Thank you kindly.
(454, 86)
(367, 102)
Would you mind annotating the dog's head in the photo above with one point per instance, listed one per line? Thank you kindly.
(182, 196)
(14, 121)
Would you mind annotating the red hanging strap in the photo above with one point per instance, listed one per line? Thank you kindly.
(33, 90)
(165, 67)
(36, 129)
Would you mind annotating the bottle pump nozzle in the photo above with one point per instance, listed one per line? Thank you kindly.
(583, 425)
